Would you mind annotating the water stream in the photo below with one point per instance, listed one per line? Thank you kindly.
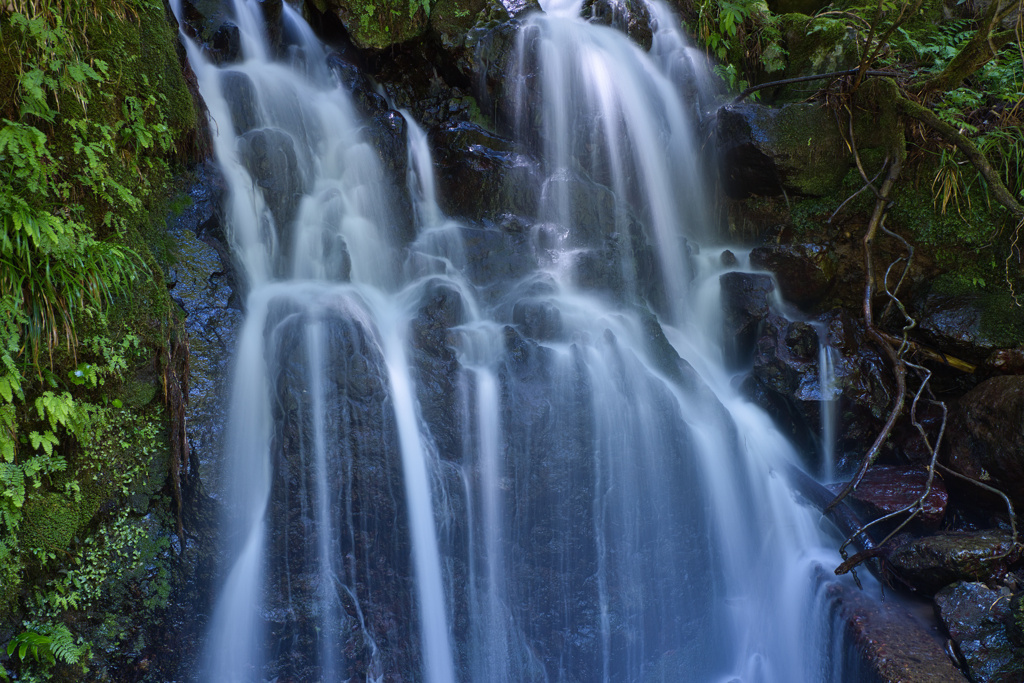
(536, 471)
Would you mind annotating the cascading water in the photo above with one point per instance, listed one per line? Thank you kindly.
(441, 472)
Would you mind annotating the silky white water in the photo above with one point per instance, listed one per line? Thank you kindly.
(542, 474)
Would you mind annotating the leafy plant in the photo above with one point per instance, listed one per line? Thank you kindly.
(740, 32)
(49, 645)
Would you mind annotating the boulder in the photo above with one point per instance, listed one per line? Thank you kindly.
(933, 562)
(240, 93)
(631, 17)
(986, 435)
(786, 381)
(979, 620)
(269, 156)
(971, 325)
(891, 644)
(746, 303)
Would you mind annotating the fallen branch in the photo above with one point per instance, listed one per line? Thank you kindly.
(803, 79)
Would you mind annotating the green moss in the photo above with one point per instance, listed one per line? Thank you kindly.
(51, 521)
(815, 46)
(380, 24)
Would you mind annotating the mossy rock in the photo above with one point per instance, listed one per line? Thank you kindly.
(816, 45)
(378, 25)
(797, 148)
(455, 18)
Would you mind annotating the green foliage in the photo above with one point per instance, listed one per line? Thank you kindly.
(50, 644)
(93, 110)
(744, 36)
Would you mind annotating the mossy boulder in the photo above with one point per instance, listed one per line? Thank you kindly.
(818, 45)
(796, 149)
(454, 18)
(379, 25)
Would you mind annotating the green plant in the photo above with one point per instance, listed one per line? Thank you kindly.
(48, 645)
(744, 36)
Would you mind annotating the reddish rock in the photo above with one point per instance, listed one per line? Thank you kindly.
(887, 489)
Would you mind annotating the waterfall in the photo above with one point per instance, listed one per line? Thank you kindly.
(442, 472)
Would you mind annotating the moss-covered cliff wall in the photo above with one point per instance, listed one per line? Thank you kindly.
(97, 119)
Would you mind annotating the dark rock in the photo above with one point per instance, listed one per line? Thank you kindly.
(206, 22)
(804, 272)
(437, 367)
(362, 465)
(969, 325)
(765, 151)
(986, 435)
(378, 25)
(729, 259)
(786, 365)
(978, 619)
(453, 19)
(240, 93)
(886, 489)
(493, 255)
(538, 319)
(1008, 361)
(272, 22)
(269, 156)
(930, 563)
(746, 303)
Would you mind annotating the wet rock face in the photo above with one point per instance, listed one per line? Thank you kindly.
(378, 25)
(973, 326)
(933, 562)
(240, 94)
(368, 535)
(986, 435)
(481, 175)
(269, 156)
(980, 624)
(892, 645)
(785, 380)
(437, 367)
(746, 303)
(804, 272)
